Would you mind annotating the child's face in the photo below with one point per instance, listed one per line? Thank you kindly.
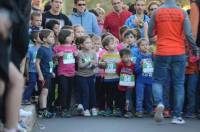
(36, 21)
(70, 38)
(50, 39)
(129, 39)
(56, 29)
(144, 47)
(111, 46)
(97, 44)
(87, 44)
(126, 58)
(140, 7)
(79, 31)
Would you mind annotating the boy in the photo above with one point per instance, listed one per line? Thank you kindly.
(125, 70)
(44, 67)
(36, 22)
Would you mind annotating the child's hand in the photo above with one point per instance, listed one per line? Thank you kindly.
(53, 74)
(94, 63)
(41, 78)
(60, 54)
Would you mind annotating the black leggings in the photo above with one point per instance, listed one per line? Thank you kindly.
(65, 85)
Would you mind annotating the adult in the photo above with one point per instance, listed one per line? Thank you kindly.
(139, 20)
(81, 16)
(116, 19)
(55, 14)
(36, 6)
(170, 22)
(153, 5)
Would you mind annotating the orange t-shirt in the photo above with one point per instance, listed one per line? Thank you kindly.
(169, 27)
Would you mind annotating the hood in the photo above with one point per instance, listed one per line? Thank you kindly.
(75, 13)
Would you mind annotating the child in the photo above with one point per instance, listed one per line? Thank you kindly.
(66, 68)
(54, 25)
(191, 82)
(78, 32)
(87, 62)
(32, 75)
(36, 21)
(144, 71)
(44, 67)
(109, 61)
(125, 70)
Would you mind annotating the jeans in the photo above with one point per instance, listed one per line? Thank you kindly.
(144, 94)
(191, 89)
(33, 77)
(87, 90)
(177, 65)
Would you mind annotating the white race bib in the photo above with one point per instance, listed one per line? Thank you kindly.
(147, 66)
(68, 58)
(127, 80)
(51, 66)
(110, 68)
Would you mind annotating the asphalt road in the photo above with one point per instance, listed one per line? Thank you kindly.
(107, 124)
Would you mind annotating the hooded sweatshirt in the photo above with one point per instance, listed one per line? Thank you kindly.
(87, 20)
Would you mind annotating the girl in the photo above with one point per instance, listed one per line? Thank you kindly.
(87, 62)
(66, 68)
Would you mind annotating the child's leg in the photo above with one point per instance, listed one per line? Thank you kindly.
(63, 82)
(84, 88)
(92, 91)
(139, 96)
(31, 86)
(69, 91)
(100, 93)
(43, 98)
(129, 101)
(148, 98)
(109, 94)
(191, 93)
(13, 97)
(121, 102)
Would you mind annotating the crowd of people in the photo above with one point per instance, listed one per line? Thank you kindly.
(141, 61)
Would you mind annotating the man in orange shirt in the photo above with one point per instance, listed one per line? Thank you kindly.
(172, 26)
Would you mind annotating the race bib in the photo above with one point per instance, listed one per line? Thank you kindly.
(147, 66)
(34, 57)
(110, 68)
(51, 66)
(133, 59)
(68, 58)
(127, 80)
(86, 60)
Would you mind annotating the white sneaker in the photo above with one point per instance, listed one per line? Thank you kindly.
(178, 120)
(24, 113)
(158, 117)
(80, 108)
(21, 129)
(87, 113)
(94, 112)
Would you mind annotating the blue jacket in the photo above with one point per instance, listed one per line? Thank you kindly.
(144, 75)
(87, 20)
(134, 52)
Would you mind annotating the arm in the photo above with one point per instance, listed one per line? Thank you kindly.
(146, 31)
(188, 32)
(194, 17)
(41, 77)
(118, 70)
(151, 25)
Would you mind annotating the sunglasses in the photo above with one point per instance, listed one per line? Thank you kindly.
(81, 4)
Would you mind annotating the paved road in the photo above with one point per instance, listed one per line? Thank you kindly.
(99, 124)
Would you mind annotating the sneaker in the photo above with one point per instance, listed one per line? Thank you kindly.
(80, 109)
(167, 113)
(20, 128)
(24, 113)
(66, 114)
(139, 114)
(26, 102)
(158, 116)
(45, 114)
(86, 113)
(117, 113)
(108, 112)
(128, 115)
(101, 113)
(94, 112)
(178, 120)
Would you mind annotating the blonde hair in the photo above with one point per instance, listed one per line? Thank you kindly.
(100, 10)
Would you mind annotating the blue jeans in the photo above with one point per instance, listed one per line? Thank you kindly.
(177, 65)
(33, 77)
(87, 90)
(191, 87)
(143, 94)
